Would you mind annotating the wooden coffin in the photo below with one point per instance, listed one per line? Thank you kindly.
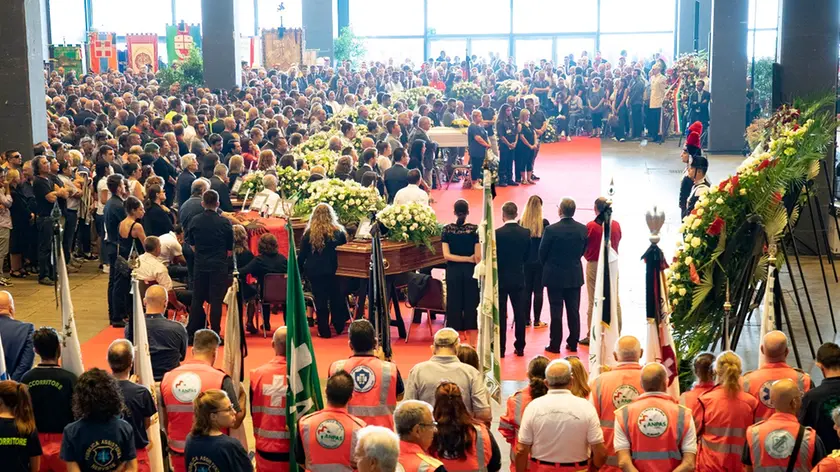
(354, 257)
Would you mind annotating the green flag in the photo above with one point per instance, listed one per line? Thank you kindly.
(303, 396)
(488, 314)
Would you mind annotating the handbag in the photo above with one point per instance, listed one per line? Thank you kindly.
(121, 265)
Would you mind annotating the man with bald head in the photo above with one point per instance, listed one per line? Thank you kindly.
(268, 393)
(615, 389)
(139, 405)
(780, 442)
(654, 431)
(774, 352)
(167, 338)
(559, 414)
(16, 338)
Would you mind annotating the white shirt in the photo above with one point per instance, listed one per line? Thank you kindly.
(100, 186)
(411, 194)
(170, 248)
(271, 199)
(689, 442)
(658, 85)
(152, 269)
(560, 427)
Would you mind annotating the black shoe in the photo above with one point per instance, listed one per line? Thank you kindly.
(534, 177)
(571, 348)
(118, 324)
(251, 328)
(501, 184)
(513, 184)
(502, 355)
(584, 341)
(519, 352)
(46, 281)
(552, 349)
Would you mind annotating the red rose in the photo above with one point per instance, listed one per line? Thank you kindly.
(694, 212)
(795, 127)
(777, 197)
(692, 274)
(723, 183)
(764, 164)
(716, 227)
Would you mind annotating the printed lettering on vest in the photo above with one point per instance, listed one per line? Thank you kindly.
(330, 434)
(764, 393)
(623, 395)
(364, 379)
(779, 444)
(653, 422)
(186, 387)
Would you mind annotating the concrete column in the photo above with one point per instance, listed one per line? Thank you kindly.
(704, 24)
(728, 71)
(808, 55)
(219, 44)
(343, 12)
(318, 26)
(686, 26)
(23, 112)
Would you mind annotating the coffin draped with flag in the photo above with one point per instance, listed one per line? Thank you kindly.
(487, 273)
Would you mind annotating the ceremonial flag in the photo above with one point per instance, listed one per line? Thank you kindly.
(71, 349)
(4, 375)
(487, 273)
(180, 39)
(660, 341)
(604, 330)
(142, 51)
(67, 57)
(145, 376)
(304, 393)
(234, 347)
(102, 52)
(379, 311)
(768, 309)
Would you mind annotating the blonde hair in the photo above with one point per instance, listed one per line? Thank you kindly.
(265, 161)
(532, 217)
(240, 239)
(204, 405)
(322, 226)
(728, 372)
(11, 175)
(580, 379)
(236, 164)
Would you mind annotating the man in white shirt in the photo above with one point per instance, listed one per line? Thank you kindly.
(267, 198)
(559, 415)
(412, 193)
(151, 268)
(172, 253)
(658, 84)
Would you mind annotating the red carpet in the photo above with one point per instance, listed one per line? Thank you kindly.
(566, 169)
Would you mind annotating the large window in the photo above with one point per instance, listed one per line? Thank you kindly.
(532, 50)
(463, 17)
(567, 16)
(765, 44)
(245, 17)
(483, 48)
(574, 46)
(764, 14)
(638, 46)
(379, 49)
(386, 17)
(68, 21)
(626, 16)
(123, 16)
(453, 47)
(270, 17)
(188, 11)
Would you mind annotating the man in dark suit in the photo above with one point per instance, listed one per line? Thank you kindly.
(17, 339)
(185, 180)
(368, 160)
(396, 177)
(698, 105)
(561, 249)
(219, 183)
(514, 243)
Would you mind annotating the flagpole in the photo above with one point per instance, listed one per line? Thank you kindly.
(488, 348)
(71, 348)
(233, 350)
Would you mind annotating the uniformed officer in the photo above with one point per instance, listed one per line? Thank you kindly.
(653, 433)
(415, 424)
(780, 442)
(181, 385)
(616, 388)
(377, 385)
(516, 403)
(268, 408)
(758, 382)
(327, 439)
(831, 463)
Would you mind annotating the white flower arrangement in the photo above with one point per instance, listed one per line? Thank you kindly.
(509, 88)
(349, 199)
(411, 95)
(252, 183)
(290, 180)
(410, 222)
(466, 91)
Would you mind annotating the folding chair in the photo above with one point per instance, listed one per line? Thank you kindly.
(273, 293)
(432, 300)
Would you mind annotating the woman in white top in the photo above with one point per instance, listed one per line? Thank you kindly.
(135, 188)
(103, 170)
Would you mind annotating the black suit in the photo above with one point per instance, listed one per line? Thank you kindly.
(396, 179)
(224, 193)
(514, 244)
(561, 249)
(184, 184)
(360, 172)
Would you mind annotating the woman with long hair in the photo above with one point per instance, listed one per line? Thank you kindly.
(526, 147)
(461, 442)
(131, 235)
(158, 219)
(507, 132)
(249, 153)
(462, 252)
(133, 173)
(269, 261)
(236, 166)
(98, 405)
(208, 448)
(21, 447)
(705, 380)
(532, 218)
(580, 379)
(726, 407)
(516, 403)
(319, 261)
(267, 162)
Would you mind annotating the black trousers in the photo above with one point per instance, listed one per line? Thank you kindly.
(653, 123)
(210, 287)
(71, 220)
(557, 298)
(637, 119)
(533, 288)
(506, 159)
(329, 303)
(44, 224)
(109, 255)
(83, 236)
(520, 316)
(461, 297)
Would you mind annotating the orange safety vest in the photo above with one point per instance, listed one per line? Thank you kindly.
(655, 426)
(721, 423)
(758, 382)
(831, 463)
(329, 438)
(477, 458)
(689, 398)
(512, 419)
(771, 443)
(414, 459)
(268, 406)
(374, 389)
(179, 388)
(611, 391)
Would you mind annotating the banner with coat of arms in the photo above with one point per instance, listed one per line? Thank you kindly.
(180, 38)
(67, 57)
(102, 52)
(142, 51)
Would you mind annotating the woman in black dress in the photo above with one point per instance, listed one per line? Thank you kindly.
(269, 261)
(318, 260)
(131, 235)
(508, 135)
(461, 251)
(525, 148)
(158, 218)
(532, 218)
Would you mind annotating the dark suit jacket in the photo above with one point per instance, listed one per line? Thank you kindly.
(224, 193)
(561, 249)
(396, 179)
(360, 172)
(157, 221)
(17, 346)
(184, 183)
(514, 243)
(263, 265)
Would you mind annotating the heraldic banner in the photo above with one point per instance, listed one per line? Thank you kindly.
(180, 38)
(67, 57)
(102, 52)
(142, 51)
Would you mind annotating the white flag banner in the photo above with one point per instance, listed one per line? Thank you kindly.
(71, 349)
(232, 364)
(768, 310)
(604, 333)
(145, 376)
